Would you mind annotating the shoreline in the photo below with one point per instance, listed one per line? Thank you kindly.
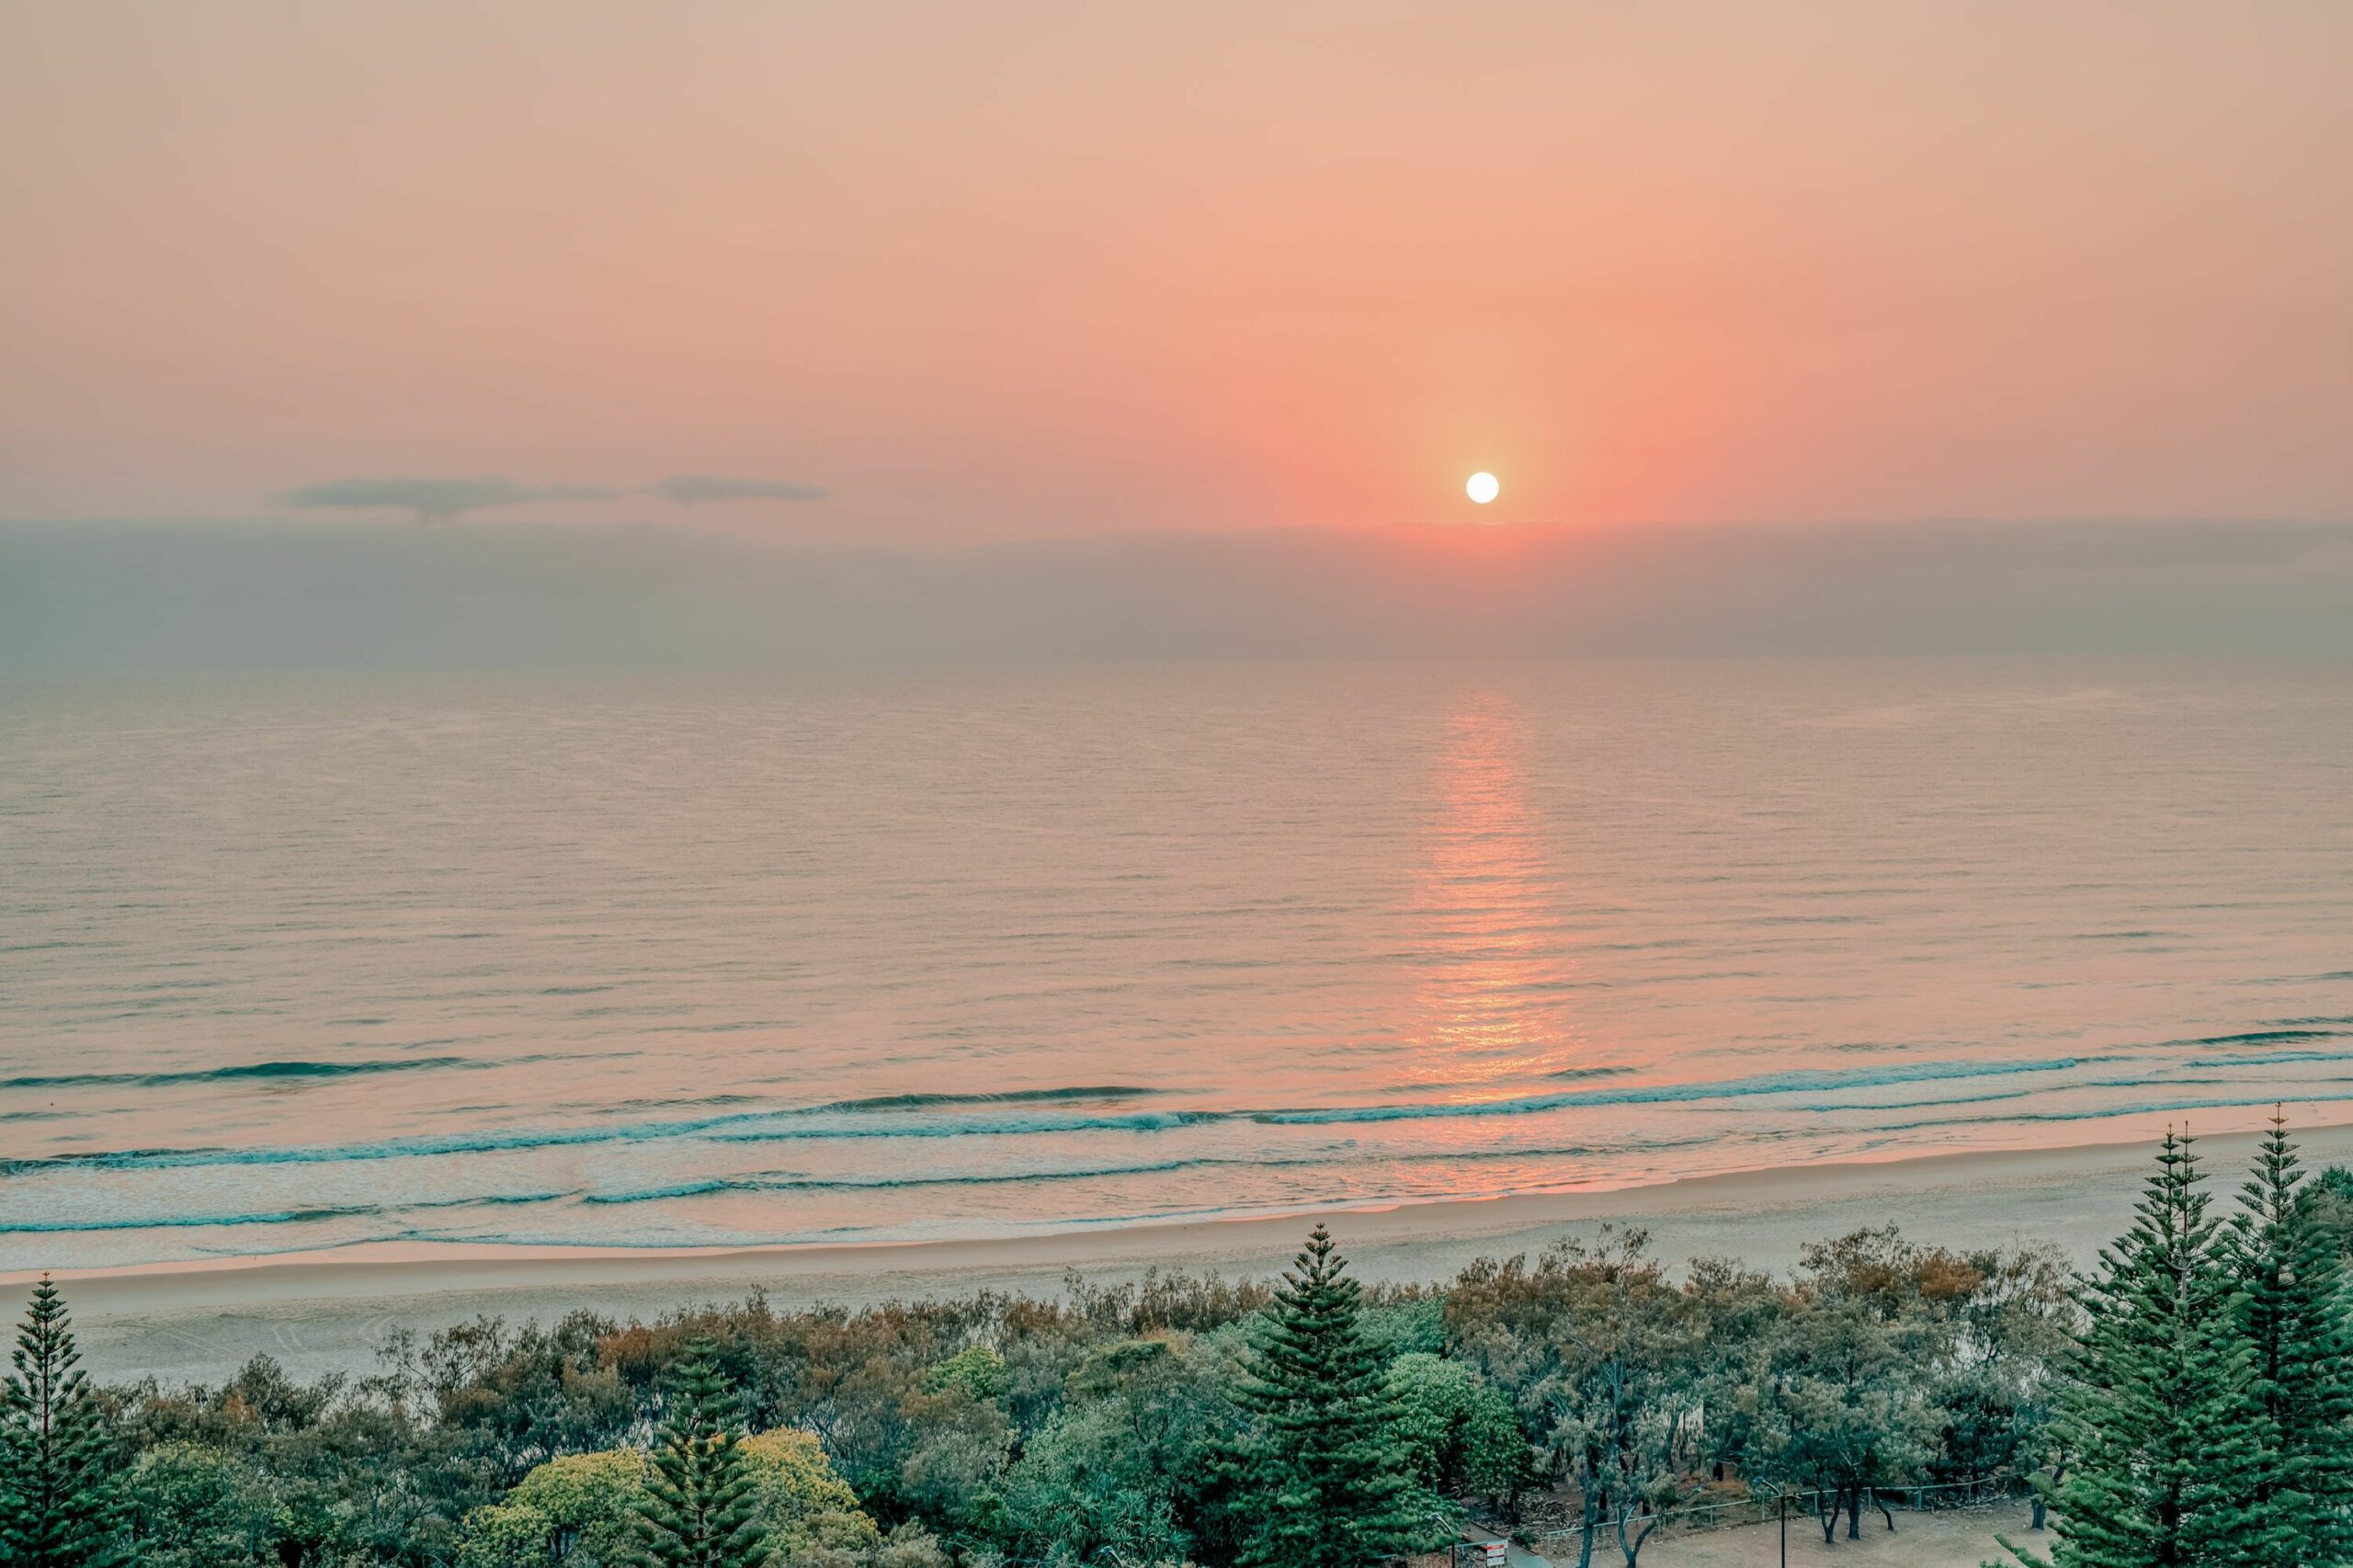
(323, 1312)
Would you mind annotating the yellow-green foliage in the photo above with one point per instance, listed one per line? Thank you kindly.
(812, 1517)
(579, 1490)
(835, 1543)
(797, 1487)
(579, 1510)
(506, 1535)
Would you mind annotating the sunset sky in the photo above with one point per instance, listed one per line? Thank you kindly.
(983, 272)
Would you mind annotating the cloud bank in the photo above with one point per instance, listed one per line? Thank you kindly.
(439, 500)
(388, 596)
(433, 500)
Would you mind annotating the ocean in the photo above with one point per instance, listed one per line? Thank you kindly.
(301, 963)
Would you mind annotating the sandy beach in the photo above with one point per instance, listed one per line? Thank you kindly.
(321, 1312)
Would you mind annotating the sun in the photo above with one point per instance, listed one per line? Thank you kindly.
(1482, 487)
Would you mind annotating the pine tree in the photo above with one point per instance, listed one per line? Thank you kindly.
(1323, 1478)
(2158, 1403)
(702, 1511)
(2292, 1312)
(60, 1507)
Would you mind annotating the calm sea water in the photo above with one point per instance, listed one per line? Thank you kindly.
(654, 960)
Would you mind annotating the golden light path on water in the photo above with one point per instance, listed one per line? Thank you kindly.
(1491, 1005)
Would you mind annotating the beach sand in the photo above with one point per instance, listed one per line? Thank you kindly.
(327, 1311)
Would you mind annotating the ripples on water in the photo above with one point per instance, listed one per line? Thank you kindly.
(299, 962)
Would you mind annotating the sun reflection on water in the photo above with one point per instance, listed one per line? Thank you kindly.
(1493, 997)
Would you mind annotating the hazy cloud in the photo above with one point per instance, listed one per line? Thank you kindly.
(494, 595)
(689, 488)
(434, 500)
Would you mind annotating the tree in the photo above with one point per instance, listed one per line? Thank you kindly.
(2157, 1406)
(1994, 1391)
(2329, 1196)
(195, 1506)
(1862, 1368)
(1083, 1492)
(60, 1507)
(1323, 1476)
(1622, 1395)
(800, 1500)
(1129, 1462)
(2293, 1310)
(976, 1372)
(1457, 1430)
(701, 1508)
(1843, 1416)
(1431, 1400)
(1735, 1311)
(580, 1510)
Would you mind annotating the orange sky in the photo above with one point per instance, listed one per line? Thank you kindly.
(990, 270)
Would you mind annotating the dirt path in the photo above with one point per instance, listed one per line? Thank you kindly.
(1963, 1538)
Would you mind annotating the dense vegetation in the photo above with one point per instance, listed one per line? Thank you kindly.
(2189, 1403)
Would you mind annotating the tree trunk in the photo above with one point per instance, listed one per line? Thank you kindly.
(1633, 1548)
(2043, 1494)
(1854, 1513)
(1880, 1504)
(1825, 1508)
